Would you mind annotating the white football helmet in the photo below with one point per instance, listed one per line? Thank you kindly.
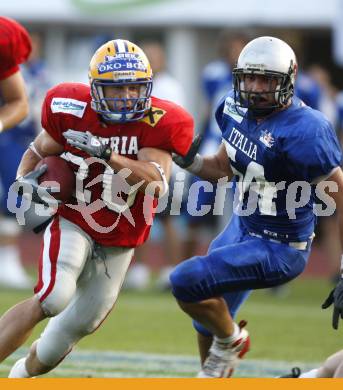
(272, 58)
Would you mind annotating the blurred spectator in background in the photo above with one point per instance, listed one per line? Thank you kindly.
(308, 90)
(165, 86)
(216, 82)
(328, 226)
(327, 102)
(339, 112)
(15, 48)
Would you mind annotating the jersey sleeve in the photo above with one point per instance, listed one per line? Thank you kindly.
(15, 46)
(176, 131)
(219, 113)
(50, 121)
(313, 156)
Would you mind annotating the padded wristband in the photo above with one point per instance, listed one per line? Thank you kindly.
(196, 165)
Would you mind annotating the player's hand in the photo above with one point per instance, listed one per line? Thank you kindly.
(30, 188)
(88, 143)
(187, 160)
(336, 298)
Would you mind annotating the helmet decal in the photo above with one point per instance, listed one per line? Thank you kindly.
(120, 64)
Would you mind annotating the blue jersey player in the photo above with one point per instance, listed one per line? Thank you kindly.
(279, 149)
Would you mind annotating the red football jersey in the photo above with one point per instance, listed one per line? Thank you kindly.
(167, 126)
(15, 46)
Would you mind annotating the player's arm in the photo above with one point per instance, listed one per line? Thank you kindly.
(336, 295)
(43, 145)
(152, 168)
(210, 168)
(216, 166)
(337, 178)
(15, 102)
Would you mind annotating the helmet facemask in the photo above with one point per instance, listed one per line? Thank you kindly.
(121, 109)
(272, 66)
(261, 104)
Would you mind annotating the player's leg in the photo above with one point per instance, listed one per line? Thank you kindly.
(199, 283)
(17, 324)
(204, 337)
(249, 263)
(204, 345)
(339, 370)
(332, 367)
(97, 292)
(64, 253)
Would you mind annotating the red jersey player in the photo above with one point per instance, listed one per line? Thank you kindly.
(15, 48)
(117, 138)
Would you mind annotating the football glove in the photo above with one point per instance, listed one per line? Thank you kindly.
(188, 159)
(336, 298)
(88, 143)
(29, 187)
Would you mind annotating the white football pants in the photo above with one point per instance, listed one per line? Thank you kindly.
(76, 286)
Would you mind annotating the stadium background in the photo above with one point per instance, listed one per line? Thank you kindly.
(148, 335)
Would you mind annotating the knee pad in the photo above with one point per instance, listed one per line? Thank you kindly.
(60, 295)
(187, 280)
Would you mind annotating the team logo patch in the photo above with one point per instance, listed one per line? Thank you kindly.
(154, 116)
(266, 138)
(68, 106)
(230, 108)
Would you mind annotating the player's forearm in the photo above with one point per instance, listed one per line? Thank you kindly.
(27, 163)
(13, 113)
(212, 169)
(141, 171)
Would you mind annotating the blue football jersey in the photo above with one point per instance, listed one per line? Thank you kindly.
(270, 158)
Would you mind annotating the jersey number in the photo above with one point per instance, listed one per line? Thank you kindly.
(106, 179)
(254, 173)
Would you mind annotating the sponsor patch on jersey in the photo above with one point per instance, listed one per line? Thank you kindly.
(68, 106)
(266, 138)
(231, 109)
(154, 116)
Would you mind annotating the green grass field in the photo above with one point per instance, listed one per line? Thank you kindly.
(148, 335)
